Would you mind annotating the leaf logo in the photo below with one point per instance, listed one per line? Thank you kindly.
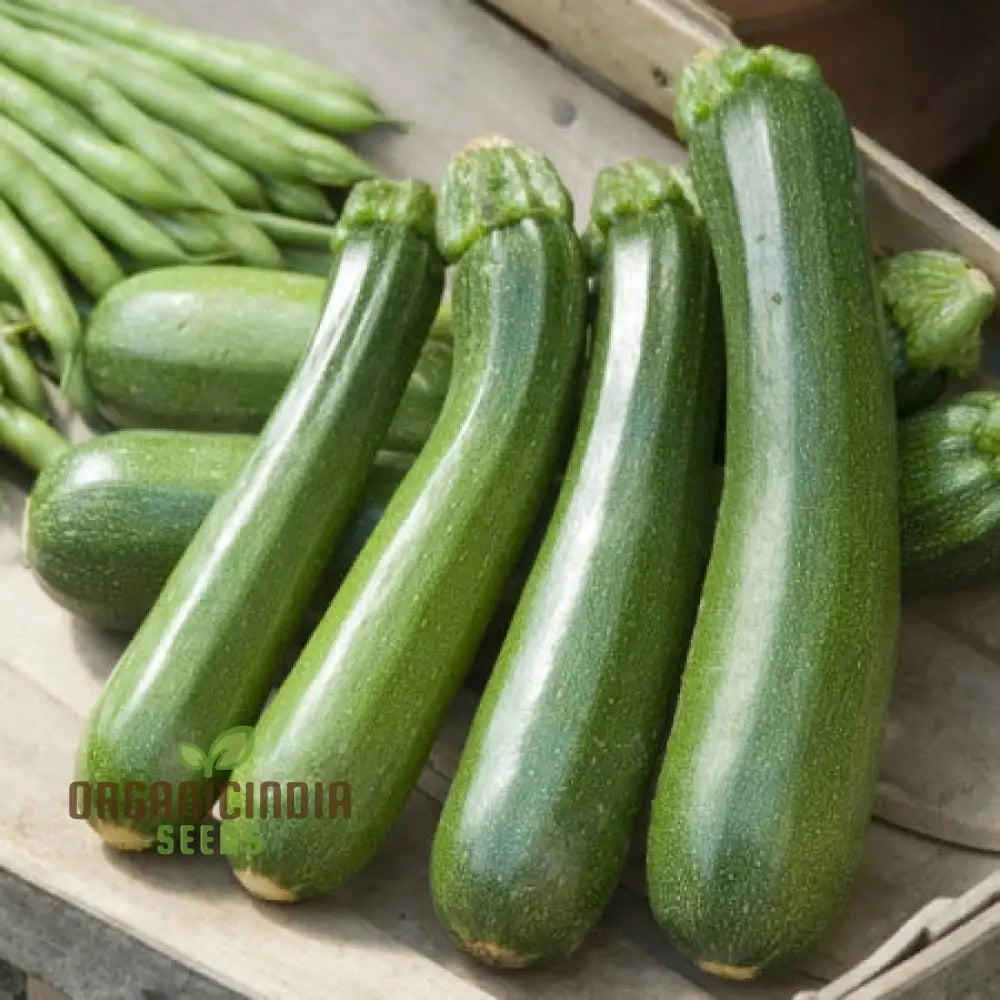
(229, 749)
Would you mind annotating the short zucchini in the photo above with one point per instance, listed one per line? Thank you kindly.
(562, 748)
(203, 659)
(949, 497)
(937, 303)
(764, 799)
(365, 700)
(213, 348)
(109, 519)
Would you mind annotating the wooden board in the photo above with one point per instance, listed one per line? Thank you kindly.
(103, 926)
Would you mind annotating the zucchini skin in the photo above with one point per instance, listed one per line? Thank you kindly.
(915, 388)
(366, 698)
(203, 659)
(937, 302)
(199, 348)
(763, 803)
(213, 349)
(109, 520)
(949, 499)
(536, 826)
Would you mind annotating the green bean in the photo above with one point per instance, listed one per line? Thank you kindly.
(121, 119)
(58, 227)
(325, 160)
(157, 142)
(162, 69)
(239, 184)
(252, 244)
(299, 199)
(40, 288)
(310, 73)
(29, 438)
(13, 317)
(288, 232)
(307, 261)
(338, 161)
(106, 214)
(277, 79)
(120, 169)
(196, 233)
(211, 238)
(18, 374)
(31, 53)
(202, 118)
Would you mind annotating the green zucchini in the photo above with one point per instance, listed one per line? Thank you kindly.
(213, 348)
(366, 698)
(562, 749)
(763, 802)
(937, 302)
(915, 388)
(109, 519)
(202, 660)
(949, 501)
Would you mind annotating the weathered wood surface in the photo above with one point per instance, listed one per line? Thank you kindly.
(104, 926)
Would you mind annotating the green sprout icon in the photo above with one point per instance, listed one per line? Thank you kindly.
(229, 749)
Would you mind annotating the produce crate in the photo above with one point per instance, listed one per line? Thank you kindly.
(103, 926)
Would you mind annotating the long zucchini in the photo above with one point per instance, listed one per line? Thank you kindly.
(202, 661)
(109, 519)
(571, 724)
(364, 702)
(213, 348)
(763, 802)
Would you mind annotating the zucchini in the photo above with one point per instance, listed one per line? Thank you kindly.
(937, 302)
(213, 348)
(915, 388)
(949, 502)
(109, 519)
(202, 660)
(763, 802)
(366, 698)
(563, 745)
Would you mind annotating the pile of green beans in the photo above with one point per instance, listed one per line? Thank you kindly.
(127, 143)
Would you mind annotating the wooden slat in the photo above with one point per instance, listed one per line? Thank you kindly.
(966, 965)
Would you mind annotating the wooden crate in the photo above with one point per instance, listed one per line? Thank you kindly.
(103, 926)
